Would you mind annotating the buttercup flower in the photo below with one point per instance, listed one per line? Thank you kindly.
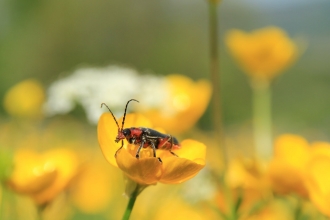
(245, 179)
(43, 176)
(263, 53)
(317, 182)
(93, 174)
(286, 170)
(297, 167)
(185, 104)
(25, 99)
(148, 169)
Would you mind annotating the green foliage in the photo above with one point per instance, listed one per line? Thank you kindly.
(6, 164)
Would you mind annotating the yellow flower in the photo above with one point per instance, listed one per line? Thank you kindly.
(246, 179)
(43, 176)
(185, 105)
(246, 173)
(97, 176)
(25, 99)
(148, 169)
(287, 169)
(317, 181)
(263, 53)
(300, 167)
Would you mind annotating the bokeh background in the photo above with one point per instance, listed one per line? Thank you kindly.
(48, 40)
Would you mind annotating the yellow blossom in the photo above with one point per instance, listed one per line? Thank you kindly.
(300, 167)
(25, 99)
(317, 181)
(246, 173)
(93, 174)
(246, 179)
(263, 53)
(286, 170)
(43, 176)
(186, 103)
(148, 169)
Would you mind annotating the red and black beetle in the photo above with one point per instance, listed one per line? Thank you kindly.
(144, 137)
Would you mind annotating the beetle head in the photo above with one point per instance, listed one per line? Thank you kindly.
(122, 134)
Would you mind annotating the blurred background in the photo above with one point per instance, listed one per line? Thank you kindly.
(50, 40)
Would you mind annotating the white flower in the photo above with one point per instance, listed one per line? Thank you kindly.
(112, 85)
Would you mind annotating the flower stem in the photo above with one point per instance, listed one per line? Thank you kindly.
(215, 75)
(130, 205)
(39, 214)
(262, 122)
(298, 213)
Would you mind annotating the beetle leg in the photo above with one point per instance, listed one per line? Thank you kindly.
(122, 144)
(139, 149)
(172, 140)
(154, 150)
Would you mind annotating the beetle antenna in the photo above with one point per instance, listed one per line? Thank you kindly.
(122, 125)
(111, 113)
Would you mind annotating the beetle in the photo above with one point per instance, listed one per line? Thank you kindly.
(144, 137)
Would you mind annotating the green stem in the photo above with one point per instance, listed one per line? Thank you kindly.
(215, 76)
(262, 121)
(298, 212)
(236, 206)
(39, 215)
(40, 211)
(130, 205)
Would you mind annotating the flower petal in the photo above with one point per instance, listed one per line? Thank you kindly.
(318, 183)
(25, 99)
(190, 160)
(192, 150)
(178, 170)
(320, 149)
(286, 178)
(66, 164)
(292, 149)
(31, 173)
(185, 104)
(145, 171)
(99, 176)
(106, 132)
(263, 53)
